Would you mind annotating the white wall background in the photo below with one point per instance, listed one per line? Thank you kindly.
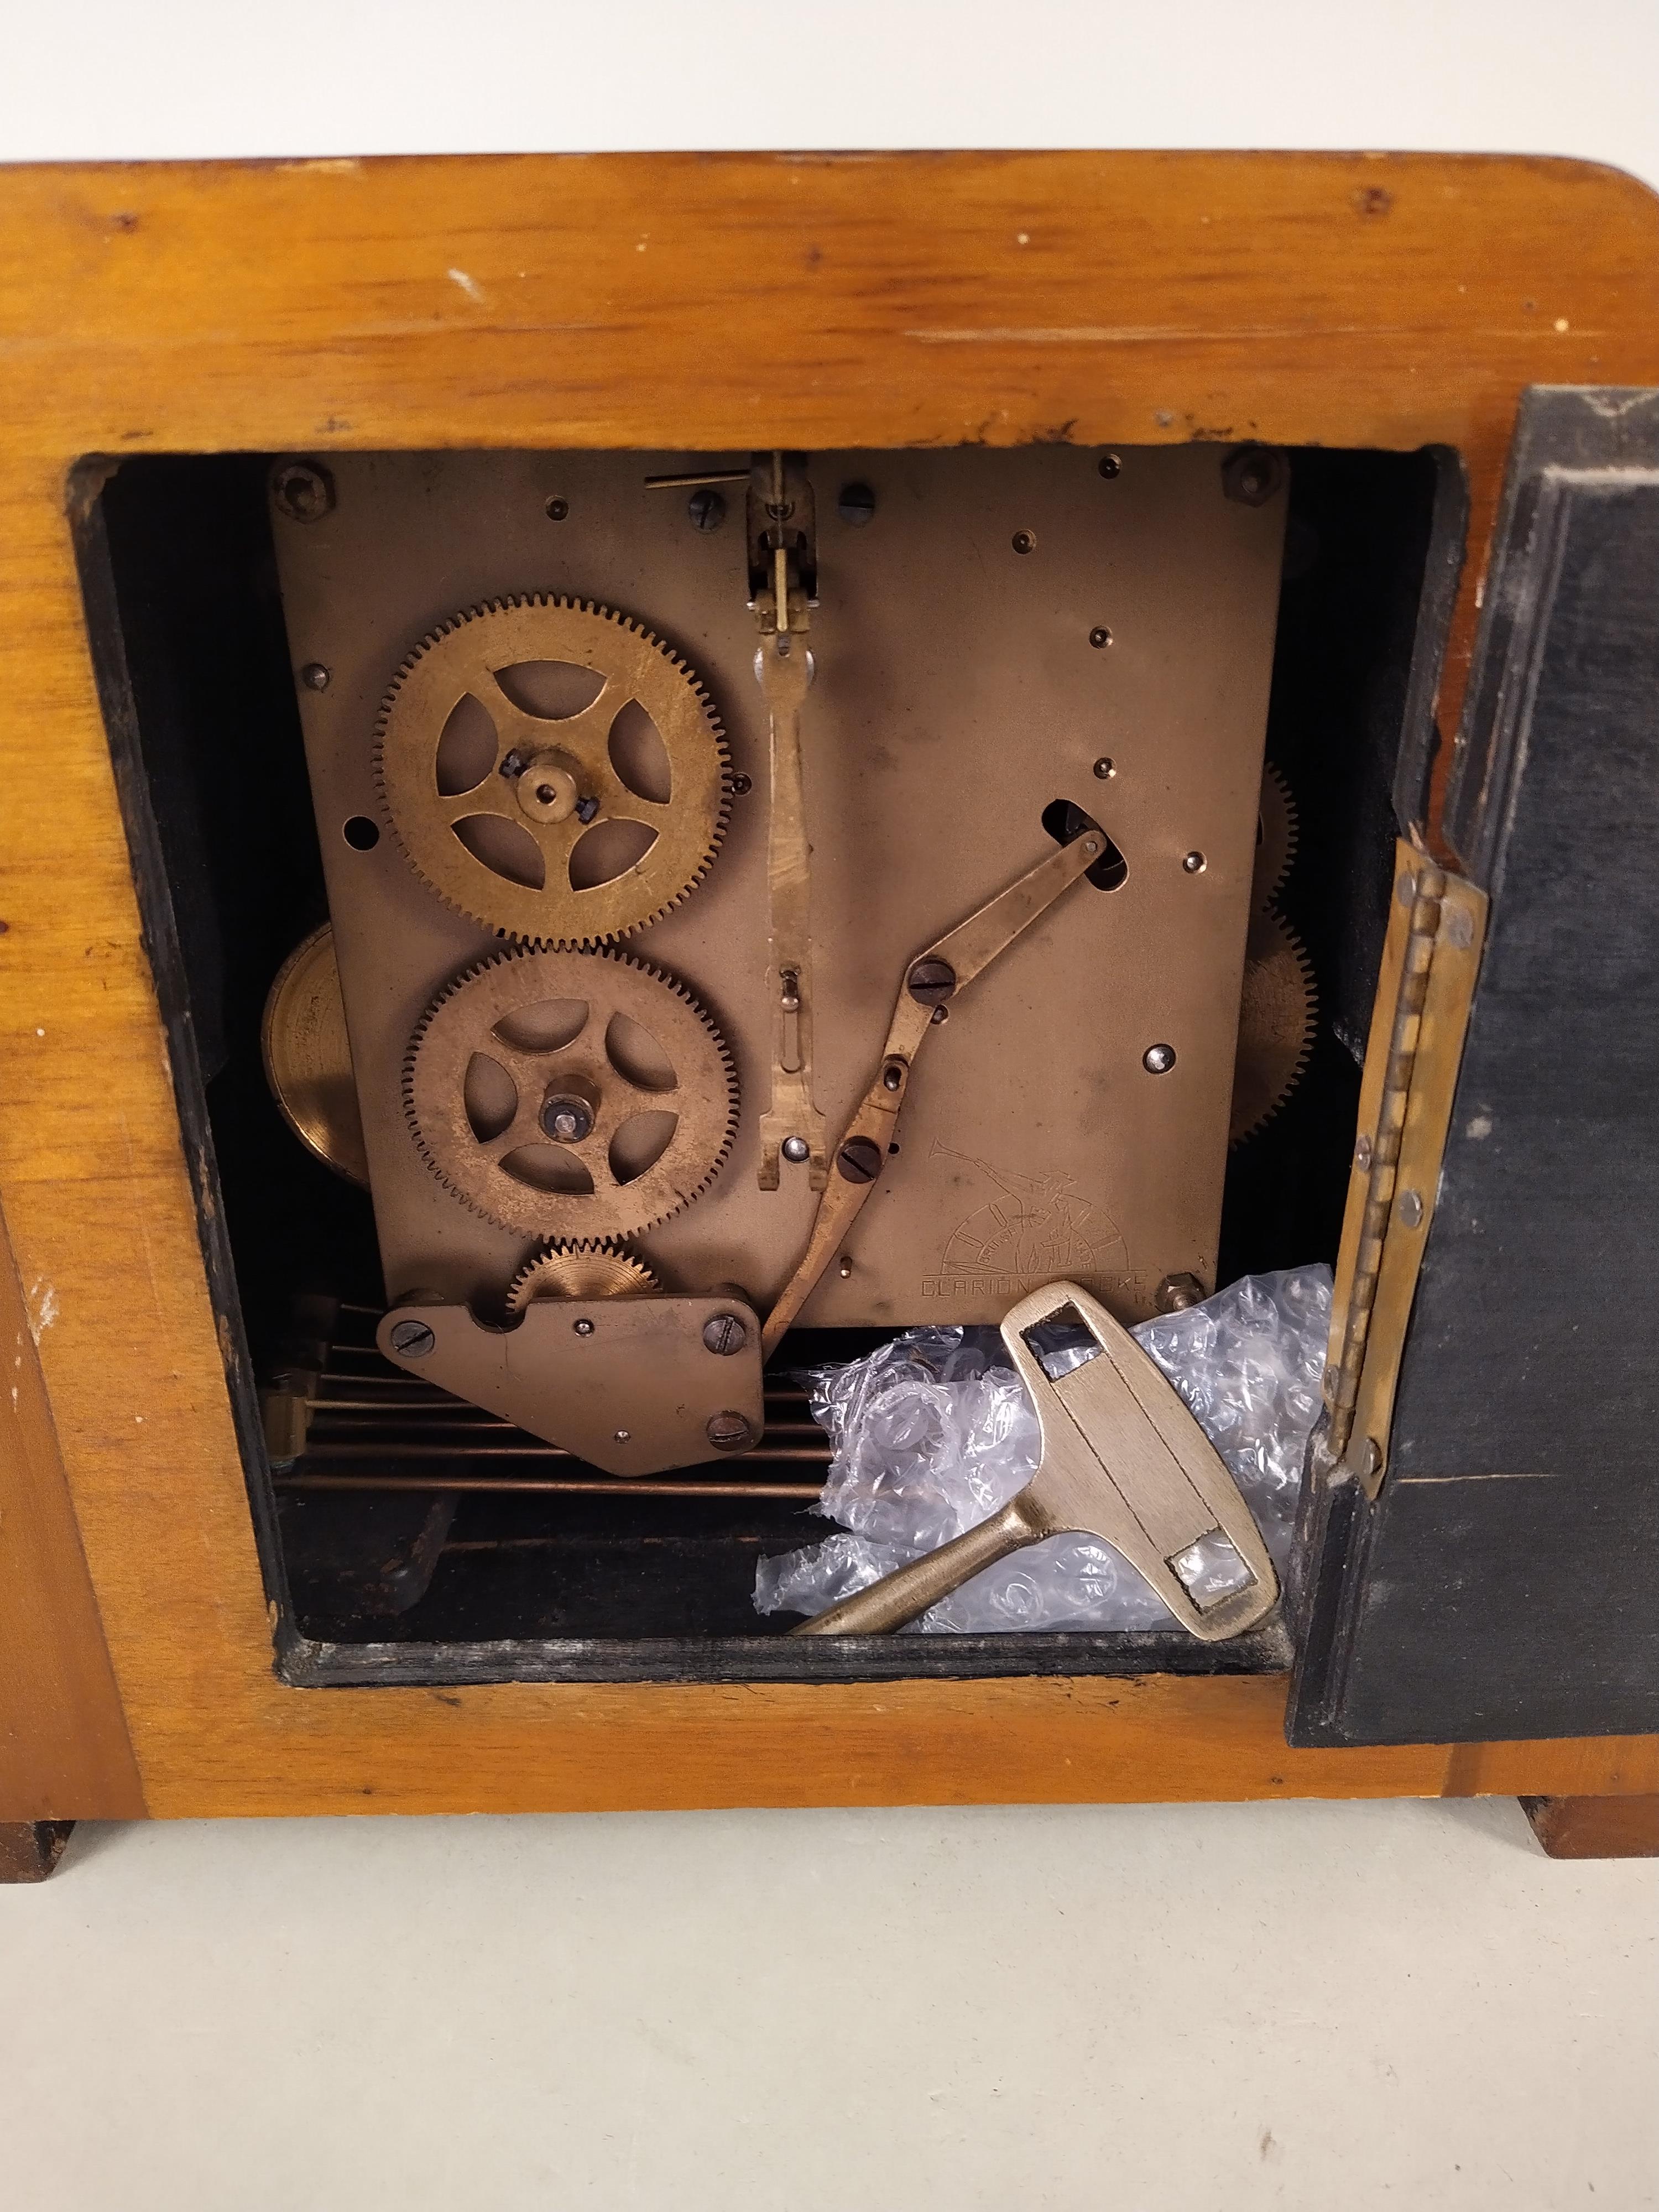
(1305, 2006)
(154, 79)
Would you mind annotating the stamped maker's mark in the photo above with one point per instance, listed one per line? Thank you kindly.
(1039, 1230)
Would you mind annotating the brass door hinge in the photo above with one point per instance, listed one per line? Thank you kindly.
(1432, 956)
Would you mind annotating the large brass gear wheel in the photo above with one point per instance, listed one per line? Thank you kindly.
(581, 1270)
(307, 1057)
(551, 783)
(530, 1103)
(1276, 1023)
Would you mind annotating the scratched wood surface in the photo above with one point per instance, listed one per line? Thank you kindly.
(62, 1740)
(709, 302)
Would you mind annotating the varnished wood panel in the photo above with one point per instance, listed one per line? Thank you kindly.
(63, 1747)
(1595, 1827)
(710, 302)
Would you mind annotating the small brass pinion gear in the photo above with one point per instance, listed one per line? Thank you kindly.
(525, 790)
(570, 1095)
(585, 1269)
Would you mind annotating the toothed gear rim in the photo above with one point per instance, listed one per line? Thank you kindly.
(1278, 831)
(1277, 1022)
(463, 1020)
(581, 1270)
(465, 655)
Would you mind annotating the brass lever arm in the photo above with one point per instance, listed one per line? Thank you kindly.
(782, 560)
(790, 1112)
(931, 979)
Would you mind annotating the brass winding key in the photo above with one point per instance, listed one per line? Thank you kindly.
(1122, 1459)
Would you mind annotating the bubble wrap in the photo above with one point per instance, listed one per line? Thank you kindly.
(933, 1431)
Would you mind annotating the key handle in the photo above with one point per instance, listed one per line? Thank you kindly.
(1122, 1459)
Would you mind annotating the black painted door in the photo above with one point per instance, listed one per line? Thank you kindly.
(1505, 1582)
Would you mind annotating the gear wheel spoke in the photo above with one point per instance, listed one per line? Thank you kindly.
(619, 1097)
(571, 1100)
(620, 802)
(553, 776)
(517, 728)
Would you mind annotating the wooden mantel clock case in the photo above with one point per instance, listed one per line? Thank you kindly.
(514, 669)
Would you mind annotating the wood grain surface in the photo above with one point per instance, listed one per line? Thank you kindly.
(1595, 1827)
(63, 1741)
(710, 303)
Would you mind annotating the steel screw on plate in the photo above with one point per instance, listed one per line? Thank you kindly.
(796, 1149)
(1024, 541)
(314, 675)
(303, 490)
(583, 1328)
(892, 1076)
(858, 1160)
(412, 1340)
(730, 1432)
(1252, 475)
(1099, 636)
(706, 508)
(1177, 1293)
(557, 509)
(856, 505)
(567, 1120)
(1159, 1059)
(742, 786)
(1110, 465)
(724, 1334)
(1105, 768)
(1194, 864)
(930, 982)
(620, 1437)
